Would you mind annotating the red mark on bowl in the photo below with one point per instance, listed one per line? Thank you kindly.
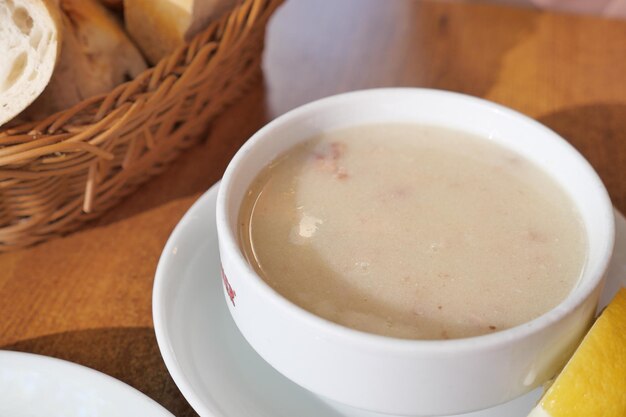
(231, 293)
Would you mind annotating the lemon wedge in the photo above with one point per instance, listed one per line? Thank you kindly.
(593, 383)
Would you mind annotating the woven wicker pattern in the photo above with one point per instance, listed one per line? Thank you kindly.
(69, 168)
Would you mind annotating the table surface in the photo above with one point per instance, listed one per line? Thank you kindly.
(87, 297)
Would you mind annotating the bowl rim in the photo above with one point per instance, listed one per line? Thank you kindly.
(228, 241)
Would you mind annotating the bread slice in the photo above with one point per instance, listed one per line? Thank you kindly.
(96, 56)
(29, 46)
(160, 26)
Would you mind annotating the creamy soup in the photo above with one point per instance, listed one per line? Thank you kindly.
(412, 231)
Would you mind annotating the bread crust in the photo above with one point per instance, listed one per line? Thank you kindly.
(96, 56)
(160, 26)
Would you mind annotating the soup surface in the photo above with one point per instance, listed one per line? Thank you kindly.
(412, 231)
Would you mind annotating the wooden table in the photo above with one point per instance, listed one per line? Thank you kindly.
(87, 297)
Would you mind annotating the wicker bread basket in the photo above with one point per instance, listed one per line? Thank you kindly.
(69, 168)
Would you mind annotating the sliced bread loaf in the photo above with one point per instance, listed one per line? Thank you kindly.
(30, 39)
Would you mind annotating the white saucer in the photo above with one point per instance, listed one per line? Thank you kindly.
(34, 385)
(210, 361)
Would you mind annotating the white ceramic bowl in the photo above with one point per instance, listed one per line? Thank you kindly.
(412, 377)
